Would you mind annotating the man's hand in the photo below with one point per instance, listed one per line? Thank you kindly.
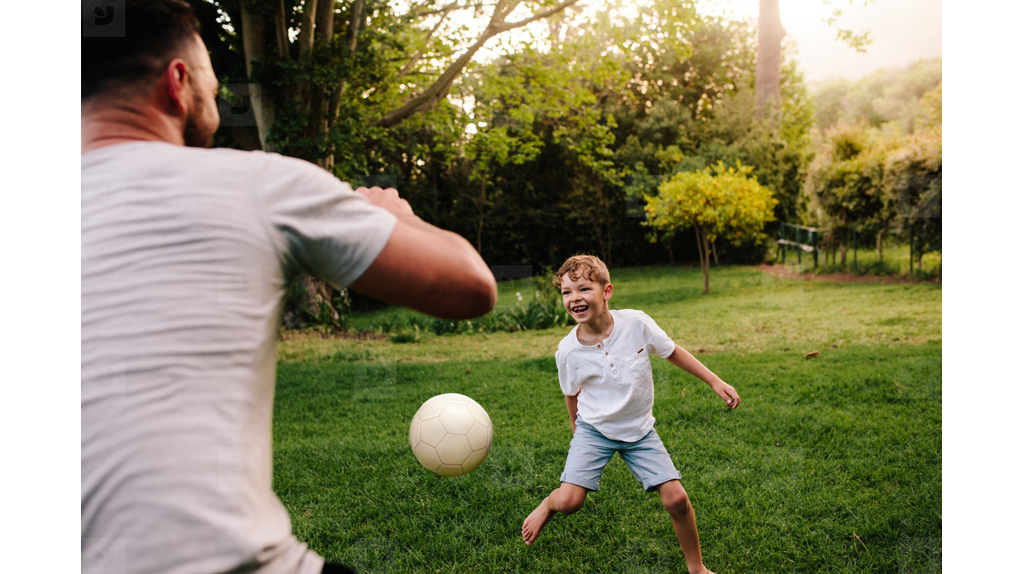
(728, 394)
(387, 199)
(425, 268)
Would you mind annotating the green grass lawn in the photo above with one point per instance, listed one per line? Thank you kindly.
(829, 465)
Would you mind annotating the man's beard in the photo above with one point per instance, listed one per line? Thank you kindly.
(195, 134)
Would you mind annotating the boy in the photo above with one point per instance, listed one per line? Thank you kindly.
(604, 371)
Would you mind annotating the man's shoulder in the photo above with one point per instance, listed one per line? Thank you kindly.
(194, 157)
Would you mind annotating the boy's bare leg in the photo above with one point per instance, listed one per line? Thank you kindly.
(567, 499)
(677, 503)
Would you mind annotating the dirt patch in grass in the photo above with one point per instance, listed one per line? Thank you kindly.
(788, 272)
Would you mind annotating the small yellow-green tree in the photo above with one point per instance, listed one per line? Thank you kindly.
(717, 202)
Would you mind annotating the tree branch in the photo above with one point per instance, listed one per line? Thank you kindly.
(429, 98)
(540, 15)
(416, 57)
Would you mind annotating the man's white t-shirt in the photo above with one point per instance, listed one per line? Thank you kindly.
(613, 378)
(186, 255)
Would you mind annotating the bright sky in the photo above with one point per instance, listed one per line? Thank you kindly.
(904, 31)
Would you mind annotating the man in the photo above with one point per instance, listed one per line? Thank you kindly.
(186, 255)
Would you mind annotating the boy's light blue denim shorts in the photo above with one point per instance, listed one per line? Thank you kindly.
(590, 451)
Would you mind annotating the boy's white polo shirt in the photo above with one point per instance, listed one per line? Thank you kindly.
(613, 378)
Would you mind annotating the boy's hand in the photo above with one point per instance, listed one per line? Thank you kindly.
(728, 394)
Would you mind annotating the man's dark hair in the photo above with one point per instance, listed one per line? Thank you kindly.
(154, 33)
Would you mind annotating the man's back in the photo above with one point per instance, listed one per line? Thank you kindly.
(186, 254)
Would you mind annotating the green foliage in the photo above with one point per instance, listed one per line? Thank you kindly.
(716, 202)
(548, 147)
(891, 95)
(877, 180)
(845, 180)
(722, 201)
(538, 313)
(913, 180)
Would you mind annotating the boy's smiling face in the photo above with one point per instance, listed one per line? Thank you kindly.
(585, 299)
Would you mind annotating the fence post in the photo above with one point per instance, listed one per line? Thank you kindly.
(814, 244)
(783, 245)
(799, 249)
(854, 249)
(911, 249)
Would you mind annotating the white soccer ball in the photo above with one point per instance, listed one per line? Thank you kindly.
(450, 434)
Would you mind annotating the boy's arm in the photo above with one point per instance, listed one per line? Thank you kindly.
(681, 358)
(570, 404)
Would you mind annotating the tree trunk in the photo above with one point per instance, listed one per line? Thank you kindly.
(714, 252)
(480, 234)
(357, 22)
(702, 250)
(354, 26)
(317, 299)
(769, 55)
(878, 241)
(281, 31)
(842, 253)
(254, 44)
(707, 265)
(307, 26)
(324, 21)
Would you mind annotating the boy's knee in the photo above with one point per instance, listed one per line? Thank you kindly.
(676, 501)
(571, 499)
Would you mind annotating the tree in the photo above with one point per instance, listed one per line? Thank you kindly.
(845, 180)
(769, 48)
(717, 201)
(890, 95)
(309, 64)
(769, 54)
(913, 179)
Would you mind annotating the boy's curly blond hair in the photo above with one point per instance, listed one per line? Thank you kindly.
(587, 266)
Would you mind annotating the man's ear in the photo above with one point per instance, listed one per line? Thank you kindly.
(607, 291)
(175, 77)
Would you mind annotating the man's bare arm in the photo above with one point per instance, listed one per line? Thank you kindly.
(426, 268)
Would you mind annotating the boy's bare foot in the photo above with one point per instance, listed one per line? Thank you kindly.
(535, 522)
